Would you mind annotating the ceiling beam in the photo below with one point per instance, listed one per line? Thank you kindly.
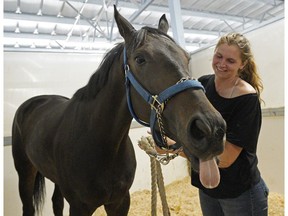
(173, 12)
(46, 38)
(162, 9)
(140, 10)
(70, 21)
(40, 35)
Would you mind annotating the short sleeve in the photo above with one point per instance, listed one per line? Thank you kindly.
(245, 123)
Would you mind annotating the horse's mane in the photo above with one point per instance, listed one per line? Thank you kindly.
(100, 77)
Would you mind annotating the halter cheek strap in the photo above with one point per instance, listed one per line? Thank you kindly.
(156, 102)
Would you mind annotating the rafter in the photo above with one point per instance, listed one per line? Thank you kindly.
(20, 23)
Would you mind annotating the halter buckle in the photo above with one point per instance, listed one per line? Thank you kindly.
(155, 104)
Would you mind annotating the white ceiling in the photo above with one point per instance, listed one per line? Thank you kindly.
(88, 26)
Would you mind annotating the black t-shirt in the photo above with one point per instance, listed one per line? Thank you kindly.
(243, 118)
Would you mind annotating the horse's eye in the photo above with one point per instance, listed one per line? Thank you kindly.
(139, 60)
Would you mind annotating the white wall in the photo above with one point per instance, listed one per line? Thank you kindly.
(271, 153)
(30, 74)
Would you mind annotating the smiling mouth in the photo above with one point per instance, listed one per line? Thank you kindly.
(220, 69)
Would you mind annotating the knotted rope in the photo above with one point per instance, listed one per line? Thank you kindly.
(148, 145)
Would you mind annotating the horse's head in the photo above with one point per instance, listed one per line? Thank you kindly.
(157, 63)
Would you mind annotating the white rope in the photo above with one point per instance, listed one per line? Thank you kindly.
(148, 145)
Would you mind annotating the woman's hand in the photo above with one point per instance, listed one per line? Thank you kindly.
(169, 143)
(229, 155)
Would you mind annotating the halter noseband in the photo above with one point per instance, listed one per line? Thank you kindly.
(156, 102)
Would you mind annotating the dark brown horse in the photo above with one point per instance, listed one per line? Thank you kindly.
(82, 143)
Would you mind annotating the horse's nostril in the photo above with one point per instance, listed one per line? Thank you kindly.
(198, 129)
(220, 133)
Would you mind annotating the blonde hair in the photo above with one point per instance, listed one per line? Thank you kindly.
(249, 73)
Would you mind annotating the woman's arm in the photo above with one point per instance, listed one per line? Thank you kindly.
(229, 155)
(226, 159)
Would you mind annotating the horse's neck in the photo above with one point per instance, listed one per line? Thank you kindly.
(111, 100)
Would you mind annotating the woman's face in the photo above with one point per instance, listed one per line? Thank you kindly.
(227, 61)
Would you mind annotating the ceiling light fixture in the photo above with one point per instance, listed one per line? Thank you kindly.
(39, 12)
(18, 11)
(36, 30)
(17, 30)
(16, 45)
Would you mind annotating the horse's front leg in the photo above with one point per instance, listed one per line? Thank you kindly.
(120, 208)
(58, 201)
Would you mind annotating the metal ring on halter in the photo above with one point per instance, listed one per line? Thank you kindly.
(126, 68)
(166, 158)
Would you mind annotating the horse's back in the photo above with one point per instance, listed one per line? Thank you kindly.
(35, 106)
(32, 118)
(36, 102)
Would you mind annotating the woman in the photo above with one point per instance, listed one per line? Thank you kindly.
(234, 90)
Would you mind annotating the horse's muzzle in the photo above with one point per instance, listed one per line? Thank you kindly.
(207, 137)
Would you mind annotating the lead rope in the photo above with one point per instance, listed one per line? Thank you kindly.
(161, 187)
(153, 186)
(147, 144)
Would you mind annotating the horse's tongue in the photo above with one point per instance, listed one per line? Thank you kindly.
(209, 173)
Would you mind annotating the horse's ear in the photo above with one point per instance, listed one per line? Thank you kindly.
(163, 24)
(126, 30)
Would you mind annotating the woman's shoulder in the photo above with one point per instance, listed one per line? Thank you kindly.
(243, 88)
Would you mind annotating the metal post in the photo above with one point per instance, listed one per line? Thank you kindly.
(176, 22)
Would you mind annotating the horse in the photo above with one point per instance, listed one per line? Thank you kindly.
(82, 144)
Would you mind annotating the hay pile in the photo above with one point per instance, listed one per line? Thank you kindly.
(183, 201)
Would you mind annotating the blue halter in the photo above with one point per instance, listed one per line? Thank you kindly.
(155, 101)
